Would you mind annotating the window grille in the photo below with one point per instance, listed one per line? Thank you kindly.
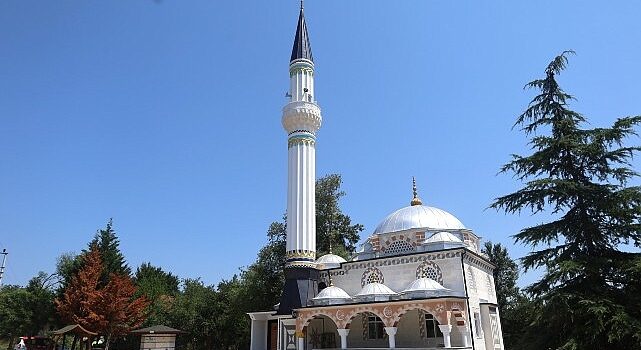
(428, 269)
(399, 247)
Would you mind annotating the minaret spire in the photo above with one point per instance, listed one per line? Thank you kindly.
(302, 49)
(415, 200)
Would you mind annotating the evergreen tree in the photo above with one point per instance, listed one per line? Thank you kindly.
(109, 247)
(506, 273)
(588, 296)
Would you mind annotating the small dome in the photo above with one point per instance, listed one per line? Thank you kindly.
(424, 285)
(330, 261)
(443, 237)
(418, 216)
(375, 289)
(332, 292)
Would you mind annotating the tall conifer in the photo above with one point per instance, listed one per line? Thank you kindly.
(109, 246)
(588, 296)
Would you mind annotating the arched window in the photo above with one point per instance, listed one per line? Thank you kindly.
(372, 275)
(428, 269)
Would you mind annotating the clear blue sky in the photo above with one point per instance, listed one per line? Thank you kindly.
(165, 115)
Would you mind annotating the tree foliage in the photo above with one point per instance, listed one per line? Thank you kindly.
(26, 310)
(159, 287)
(588, 296)
(108, 245)
(110, 310)
(332, 225)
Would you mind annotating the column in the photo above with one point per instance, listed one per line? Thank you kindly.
(466, 335)
(391, 334)
(446, 330)
(343, 332)
(301, 343)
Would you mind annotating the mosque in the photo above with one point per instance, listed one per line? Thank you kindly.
(419, 281)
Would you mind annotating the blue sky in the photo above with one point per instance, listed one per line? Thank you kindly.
(165, 115)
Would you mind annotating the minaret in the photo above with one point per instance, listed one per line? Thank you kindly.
(301, 119)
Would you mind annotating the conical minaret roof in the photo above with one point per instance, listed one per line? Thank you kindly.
(302, 49)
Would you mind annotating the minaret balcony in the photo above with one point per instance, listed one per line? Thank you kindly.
(301, 115)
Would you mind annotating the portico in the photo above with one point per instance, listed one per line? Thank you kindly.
(415, 324)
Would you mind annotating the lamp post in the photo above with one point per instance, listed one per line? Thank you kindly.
(4, 260)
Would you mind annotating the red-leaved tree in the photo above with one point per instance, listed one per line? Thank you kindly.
(110, 310)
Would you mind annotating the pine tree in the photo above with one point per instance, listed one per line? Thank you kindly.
(109, 246)
(588, 296)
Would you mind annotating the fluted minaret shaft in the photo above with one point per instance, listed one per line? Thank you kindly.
(301, 119)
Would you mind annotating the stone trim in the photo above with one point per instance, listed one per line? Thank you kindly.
(479, 263)
(393, 260)
(389, 312)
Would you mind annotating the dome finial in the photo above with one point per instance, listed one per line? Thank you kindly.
(415, 200)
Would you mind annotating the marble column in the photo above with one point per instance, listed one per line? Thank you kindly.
(467, 341)
(343, 332)
(446, 330)
(391, 334)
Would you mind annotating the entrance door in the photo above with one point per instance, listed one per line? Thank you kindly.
(272, 335)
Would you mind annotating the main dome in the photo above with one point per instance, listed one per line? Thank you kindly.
(419, 216)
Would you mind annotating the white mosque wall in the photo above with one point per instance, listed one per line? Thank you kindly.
(398, 272)
(482, 294)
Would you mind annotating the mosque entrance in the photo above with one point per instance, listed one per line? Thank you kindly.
(272, 334)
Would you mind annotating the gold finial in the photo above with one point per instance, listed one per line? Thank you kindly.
(415, 200)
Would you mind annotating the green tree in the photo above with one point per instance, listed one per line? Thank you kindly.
(332, 225)
(15, 313)
(265, 278)
(109, 247)
(160, 287)
(26, 310)
(41, 289)
(67, 265)
(232, 298)
(195, 311)
(108, 244)
(588, 296)
(506, 273)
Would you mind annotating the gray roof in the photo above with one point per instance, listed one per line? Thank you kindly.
(73, 328)
(418, 216)
(302, 49)
(159, 329)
